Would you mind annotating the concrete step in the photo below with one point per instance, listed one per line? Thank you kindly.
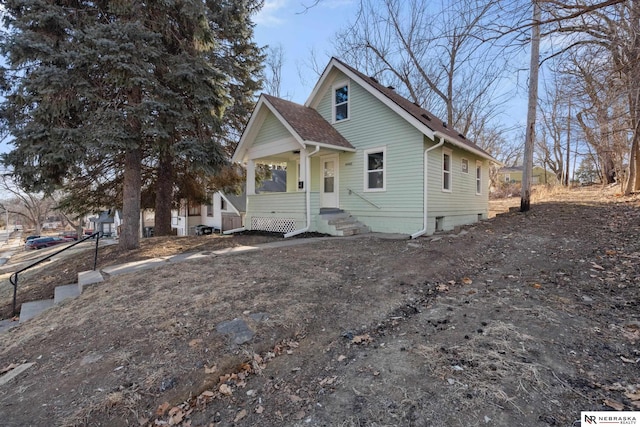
(326, 211)
(7, 324)
(345, 223)
(33, 308)
(61, 293)
(335, 216)
(90, 277)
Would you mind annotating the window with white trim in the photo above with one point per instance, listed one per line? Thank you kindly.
(341, 102)
(465, 165)
(223, 204)
(446, 170)
(375, 175)
(478, 177)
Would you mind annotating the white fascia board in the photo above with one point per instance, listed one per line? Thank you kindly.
(312, 101)
(319, 84)
(457, 143)
(257, 118)
(329, 146)
(250, 131)
(424, 129)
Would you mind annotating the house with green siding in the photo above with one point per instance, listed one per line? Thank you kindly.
(359, 157)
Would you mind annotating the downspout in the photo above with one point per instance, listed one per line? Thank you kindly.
(307, 189)
(426, 187)
(235, 230)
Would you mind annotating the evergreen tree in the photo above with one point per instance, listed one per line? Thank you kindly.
(119, 92)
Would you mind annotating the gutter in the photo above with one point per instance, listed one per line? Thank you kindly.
(307, 186)
(425, 181)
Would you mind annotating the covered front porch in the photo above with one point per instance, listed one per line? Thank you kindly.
(312, 183)
(291, 137)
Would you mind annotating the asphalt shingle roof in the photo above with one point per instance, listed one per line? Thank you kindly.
(419, 113)
(308, 123)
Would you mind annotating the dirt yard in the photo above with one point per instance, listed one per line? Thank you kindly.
(521, 320)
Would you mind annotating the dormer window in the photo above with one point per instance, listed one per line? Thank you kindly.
(341, 102)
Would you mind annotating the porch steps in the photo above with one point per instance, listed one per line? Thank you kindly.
(31, 309)
(341, 223)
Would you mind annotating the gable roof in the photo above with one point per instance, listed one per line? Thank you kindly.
(422, 119)
(307, 123)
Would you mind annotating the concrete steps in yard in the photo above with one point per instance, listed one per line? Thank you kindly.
(31, 309)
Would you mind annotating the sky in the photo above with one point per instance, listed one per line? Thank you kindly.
(286, 23)
(307, 32)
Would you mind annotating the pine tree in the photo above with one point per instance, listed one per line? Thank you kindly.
(120, 93)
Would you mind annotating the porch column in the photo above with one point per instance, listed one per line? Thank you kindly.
(251, 177)
(303, 170)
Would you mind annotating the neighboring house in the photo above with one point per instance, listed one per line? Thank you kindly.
(359, 147)
(106, 222)
(513, 174)
(225, 211)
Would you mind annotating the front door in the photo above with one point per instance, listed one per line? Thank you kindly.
(329, 181)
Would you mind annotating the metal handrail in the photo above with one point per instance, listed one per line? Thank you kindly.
(13, 279)
(364, 198)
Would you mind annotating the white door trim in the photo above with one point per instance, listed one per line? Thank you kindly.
(329, 200)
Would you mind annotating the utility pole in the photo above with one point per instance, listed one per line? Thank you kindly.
(525, 201)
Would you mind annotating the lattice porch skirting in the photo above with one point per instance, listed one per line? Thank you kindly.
(276, 225)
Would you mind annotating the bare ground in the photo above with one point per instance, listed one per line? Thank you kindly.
(522, 320)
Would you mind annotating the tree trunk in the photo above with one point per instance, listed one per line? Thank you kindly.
(164, 187)
(130, 236)
(525, 201)
(633, 183)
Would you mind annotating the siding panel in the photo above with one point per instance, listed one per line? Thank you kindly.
(374, 125)
(271, 130)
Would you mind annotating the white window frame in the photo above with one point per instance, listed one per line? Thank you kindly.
(447, 175)
(464, 162)
(478, 177)
(334, 88)
(507, 178)
(382, 150)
